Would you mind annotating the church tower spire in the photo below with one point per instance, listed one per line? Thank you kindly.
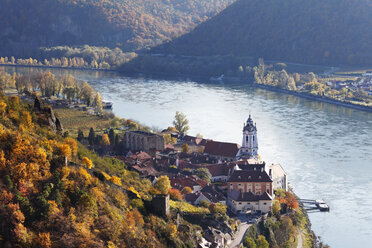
(249, 145)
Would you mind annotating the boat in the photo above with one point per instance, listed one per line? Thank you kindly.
(107, 104)
(322, 205)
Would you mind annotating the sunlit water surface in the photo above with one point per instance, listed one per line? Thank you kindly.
(326, 150)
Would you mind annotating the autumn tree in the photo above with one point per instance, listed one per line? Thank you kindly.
(175, 194)
(43, 240)
(105, 140)
(87, 162)
(163, 184)
(180, 122)
(98, 104)
(217, 208)
(262, 242)
(186, 190)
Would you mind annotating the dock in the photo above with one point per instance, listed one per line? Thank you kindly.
(314, 205)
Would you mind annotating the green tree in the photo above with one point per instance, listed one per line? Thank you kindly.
(181, 123)
(92, 136)
(276, 207)
(80, 136)
(204, 174)
(249, 242)
(163, 184)
(262, 242)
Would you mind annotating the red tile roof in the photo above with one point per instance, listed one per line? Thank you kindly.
(222, 149)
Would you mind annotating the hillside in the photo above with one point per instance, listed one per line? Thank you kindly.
(25, 26)
(336, 32)
(86, 201)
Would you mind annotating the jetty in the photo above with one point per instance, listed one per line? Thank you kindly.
(314, 205)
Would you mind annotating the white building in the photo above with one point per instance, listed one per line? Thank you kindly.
(249, 147)
(279, 177)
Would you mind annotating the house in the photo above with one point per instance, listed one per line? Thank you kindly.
(240, 202)
(220, 172)
(208, 194)
(253, 181)
(249, 190)
(217, 238)
(279, 177)
(221, 151)
(182, 181)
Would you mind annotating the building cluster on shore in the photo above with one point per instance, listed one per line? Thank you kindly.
(238, 177)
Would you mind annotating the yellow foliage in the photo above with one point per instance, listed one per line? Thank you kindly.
(172, 230)
(134, 191)
(98, 194)
(115, 180)
(65, 150)
(107, 176)
(73, 145)
(27, 120)
(2, 109)
(65, 172)
(85, 176)
(2, 160)
(87, 162)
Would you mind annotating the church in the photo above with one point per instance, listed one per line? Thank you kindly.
(249, 147)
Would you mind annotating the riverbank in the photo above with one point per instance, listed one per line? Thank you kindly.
(57, 67)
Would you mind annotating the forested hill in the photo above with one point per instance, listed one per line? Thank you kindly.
(306, 31)
(129, 24)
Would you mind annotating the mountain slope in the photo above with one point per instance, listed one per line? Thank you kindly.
(307, 31)
(27, 25)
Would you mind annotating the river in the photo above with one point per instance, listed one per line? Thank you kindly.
(325, 149)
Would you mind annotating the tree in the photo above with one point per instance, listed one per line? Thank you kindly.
(80, 136)
(92, 136)
(105, 140)
(175, 194)
(111, 135)
(185, 148)
(249, 242)
(217, 208)
(98, 104)
(87, 162)
(186, 190)
(262, 242)
(276, 207)
(163, 184)
(181, 123)
(43, 240)
(204, 174)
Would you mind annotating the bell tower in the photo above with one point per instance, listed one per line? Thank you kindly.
(249, 145)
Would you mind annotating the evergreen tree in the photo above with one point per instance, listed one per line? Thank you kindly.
(92, 136)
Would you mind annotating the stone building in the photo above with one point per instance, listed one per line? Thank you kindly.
(143, 141)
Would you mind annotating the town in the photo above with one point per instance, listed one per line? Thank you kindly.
(209, 172)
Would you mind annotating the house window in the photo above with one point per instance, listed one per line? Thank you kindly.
(264, 203)
(246, 138)
(240, 203)
(268, 191)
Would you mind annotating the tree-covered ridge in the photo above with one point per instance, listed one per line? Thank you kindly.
(28, 25)
(306, 31)
(56, 193)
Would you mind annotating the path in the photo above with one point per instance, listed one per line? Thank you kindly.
(243, 227)
(299, 239)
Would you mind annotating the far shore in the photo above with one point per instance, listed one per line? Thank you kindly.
(205, 78)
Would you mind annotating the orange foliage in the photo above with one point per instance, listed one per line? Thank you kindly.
(27, 120)
(105, 140)
(43, 240)
(175, 194)
(2, 109)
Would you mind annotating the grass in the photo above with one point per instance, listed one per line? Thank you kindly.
(73, 120)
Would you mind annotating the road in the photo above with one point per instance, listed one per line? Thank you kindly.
(243, 227)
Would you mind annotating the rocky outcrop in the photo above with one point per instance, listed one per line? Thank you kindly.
(47, 116)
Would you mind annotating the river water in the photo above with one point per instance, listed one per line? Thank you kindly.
(325, 149)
